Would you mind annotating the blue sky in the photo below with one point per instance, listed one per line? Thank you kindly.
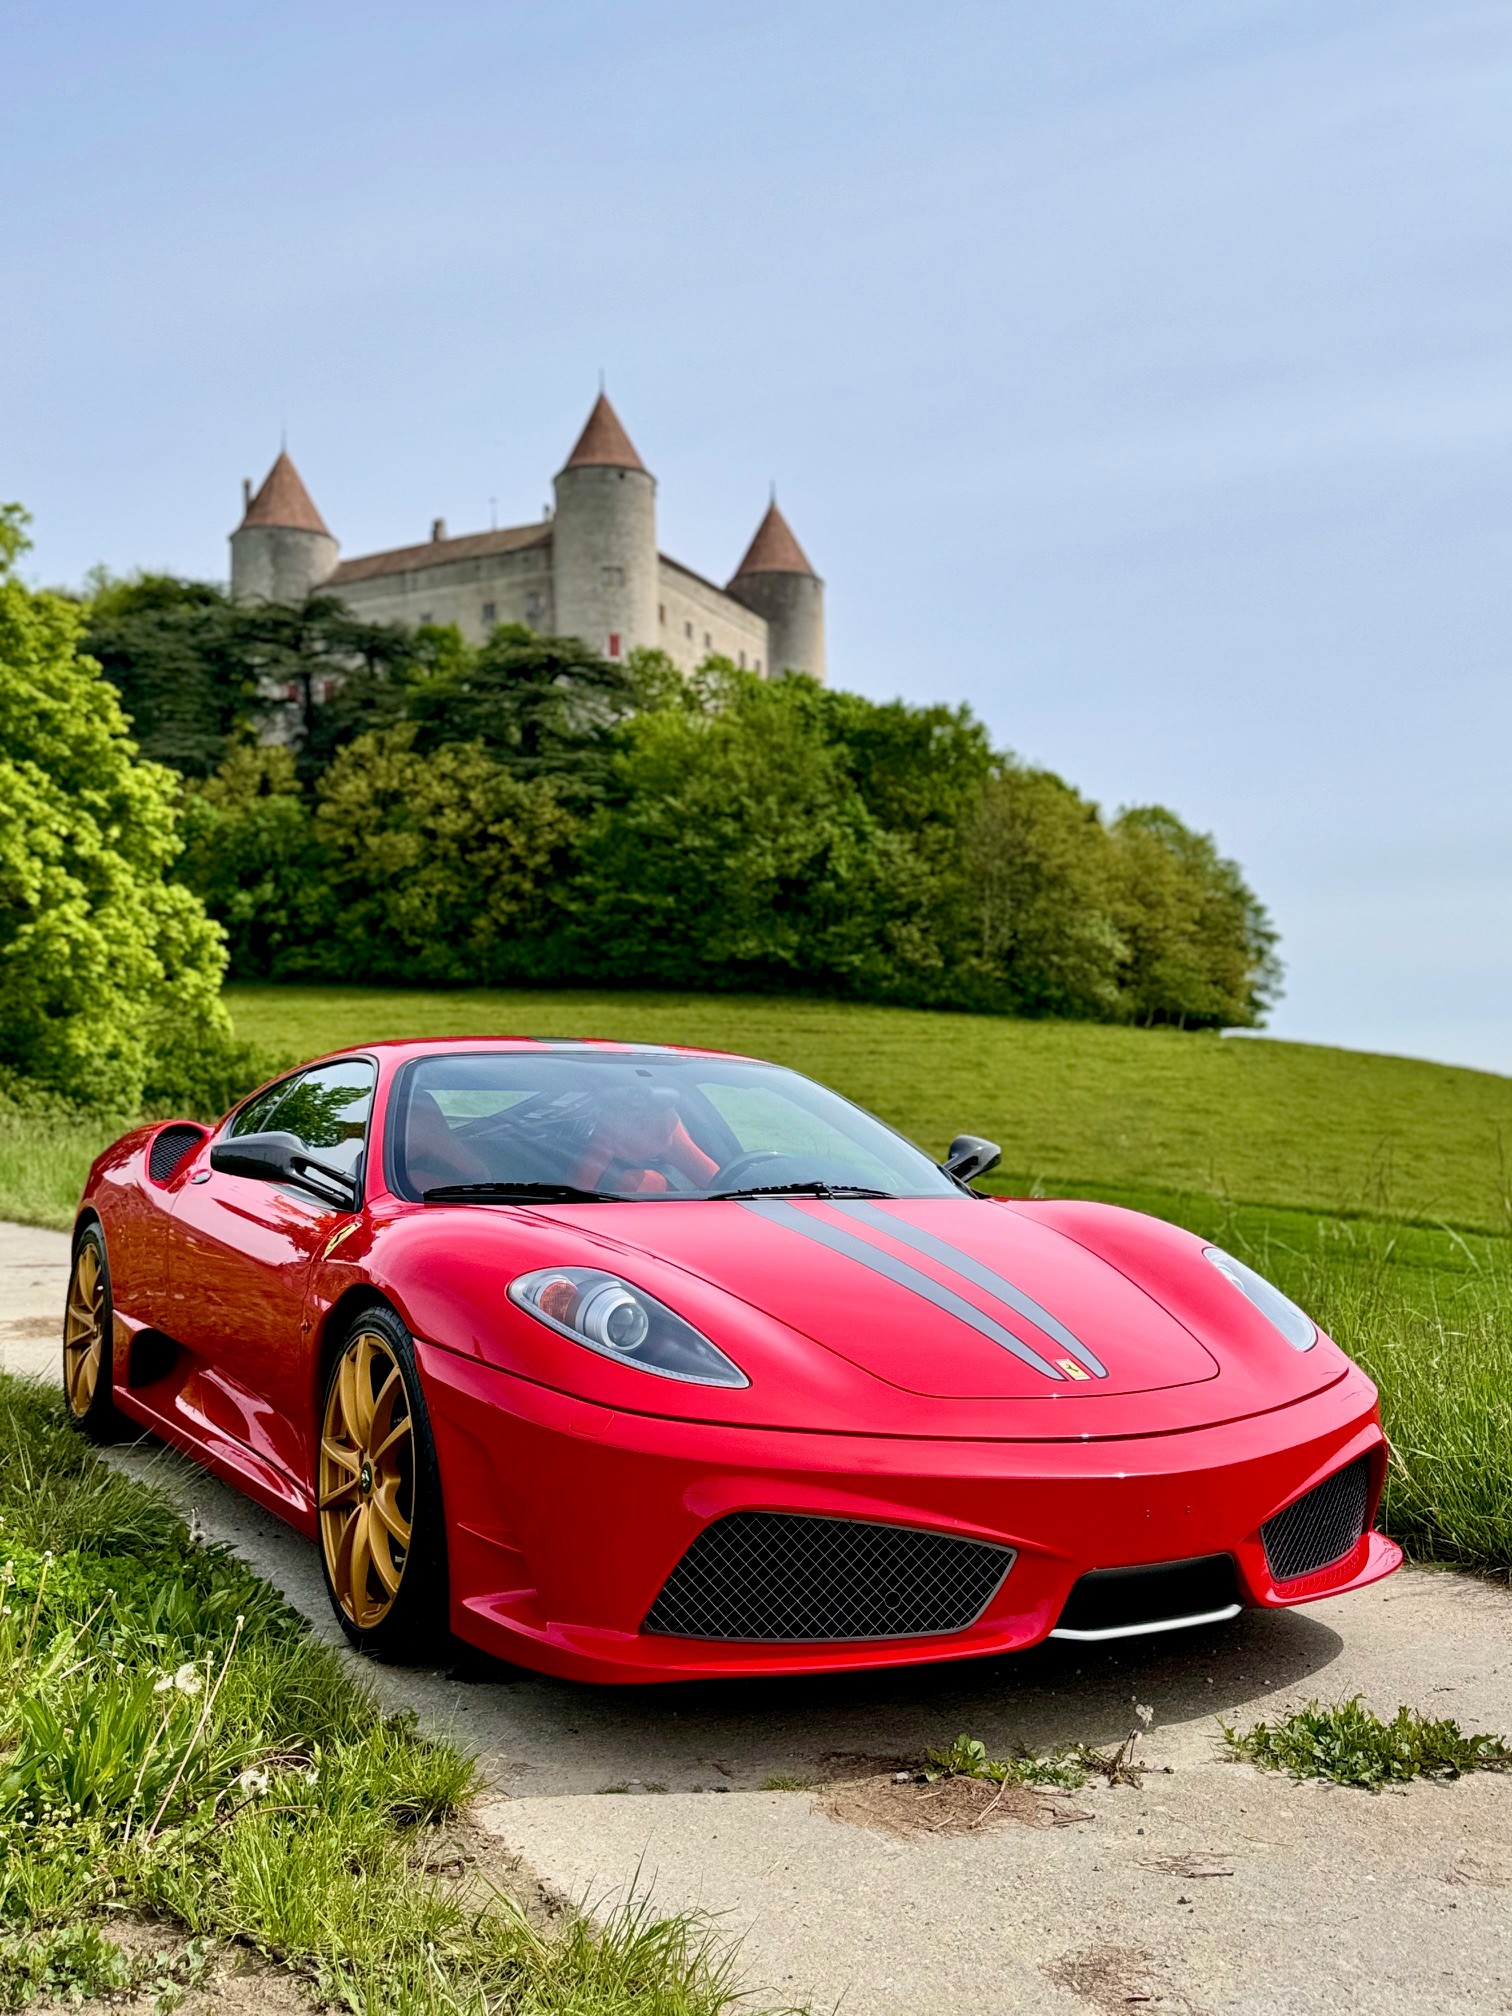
(1138, 373)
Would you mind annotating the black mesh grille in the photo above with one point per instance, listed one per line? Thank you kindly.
(1119, 1599)
(788, 1576)
(169, 1149)
(1320, 1528)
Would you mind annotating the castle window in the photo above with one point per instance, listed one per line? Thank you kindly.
(661, 612)
(614, 643)
(490, 612)
(688, 632)
(757, 666)
(612, 577)
(742, 661)
(426, 617)
(532, 608)
(708, 642)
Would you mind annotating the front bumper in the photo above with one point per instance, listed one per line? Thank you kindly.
(564, 1519)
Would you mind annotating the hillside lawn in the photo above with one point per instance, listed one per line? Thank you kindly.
(1073, 1103)
(1376, 1190)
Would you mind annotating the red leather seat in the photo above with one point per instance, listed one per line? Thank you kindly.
(638, 1146)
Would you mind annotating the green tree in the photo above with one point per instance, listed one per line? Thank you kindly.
(322, 675)
(442, 868)
(1033, 900)
(1199, 950)
(540, 706)
(109, 971)
(918, 770)
(170, 648)
(252, 856)
(736, 851)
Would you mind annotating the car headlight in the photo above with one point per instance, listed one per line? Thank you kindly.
(1295, 1325)
(624, 1323)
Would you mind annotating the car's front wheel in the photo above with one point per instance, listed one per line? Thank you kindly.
(88, 1323)
(382, 1539)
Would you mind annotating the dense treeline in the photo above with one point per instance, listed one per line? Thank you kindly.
(430, 812)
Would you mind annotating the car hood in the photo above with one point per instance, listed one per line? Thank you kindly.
(945, 1298)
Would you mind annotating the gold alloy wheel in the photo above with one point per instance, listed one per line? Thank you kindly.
(84, 1329)
(367, 1480)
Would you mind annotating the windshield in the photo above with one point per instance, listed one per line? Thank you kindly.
(637, 1123)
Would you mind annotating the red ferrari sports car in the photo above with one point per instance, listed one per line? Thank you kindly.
(637, 1363)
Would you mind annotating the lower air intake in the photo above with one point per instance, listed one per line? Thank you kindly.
(1138, 1599)
(786, 1577)
(1322, 1527)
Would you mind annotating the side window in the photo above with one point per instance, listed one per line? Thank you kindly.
(327, 1109)
(253, 1117)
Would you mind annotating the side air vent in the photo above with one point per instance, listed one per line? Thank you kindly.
(789, 1576)
(1322, 1527)
(169, 1149)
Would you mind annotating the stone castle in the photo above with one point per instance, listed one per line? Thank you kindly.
(590, 569)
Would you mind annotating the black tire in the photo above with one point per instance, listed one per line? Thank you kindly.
(89, 1387)
(413, 1629)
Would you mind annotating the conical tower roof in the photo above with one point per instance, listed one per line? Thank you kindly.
(603, 443)
(283, 500)
(774, 550)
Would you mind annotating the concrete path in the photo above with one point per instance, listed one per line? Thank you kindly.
(1211, 1888)
(33, 1289)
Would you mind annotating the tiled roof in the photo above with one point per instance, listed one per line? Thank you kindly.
(774, 550)
(437, 553)
(604, 443)
(283, 500)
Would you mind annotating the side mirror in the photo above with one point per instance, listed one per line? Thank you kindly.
(283, 1158)
(970, 1156)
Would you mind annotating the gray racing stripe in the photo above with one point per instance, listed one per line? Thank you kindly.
(863, 1251)
(978, 1272)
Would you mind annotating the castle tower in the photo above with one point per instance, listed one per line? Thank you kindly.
(281, 551)
(776, 580)
(604, 565)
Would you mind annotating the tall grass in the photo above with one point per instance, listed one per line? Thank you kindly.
(173, 1741)
(1437, 1340)
(44, 1159)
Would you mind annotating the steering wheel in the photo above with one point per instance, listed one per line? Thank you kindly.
(738, 1166)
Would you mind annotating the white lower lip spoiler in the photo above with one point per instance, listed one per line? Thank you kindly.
(1143, 1630)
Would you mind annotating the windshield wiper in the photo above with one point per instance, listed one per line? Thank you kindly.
(814, 1189)
(518, 1193)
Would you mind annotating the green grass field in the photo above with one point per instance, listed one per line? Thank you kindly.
(1074, 1104)
(1374, 1189)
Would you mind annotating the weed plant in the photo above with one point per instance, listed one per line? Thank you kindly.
(173, 1743)
(1350, 1745)
(1067, 1769)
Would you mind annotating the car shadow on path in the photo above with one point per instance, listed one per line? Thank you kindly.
(538, 1736)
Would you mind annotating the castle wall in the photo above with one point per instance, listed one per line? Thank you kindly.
(696, 618)
(475, 593)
